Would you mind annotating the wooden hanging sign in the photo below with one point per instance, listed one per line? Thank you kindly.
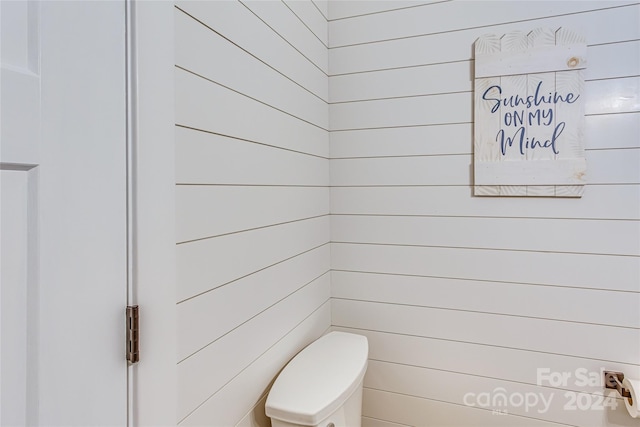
(529, 114)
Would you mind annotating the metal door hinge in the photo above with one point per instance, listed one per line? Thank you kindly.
(133, 354)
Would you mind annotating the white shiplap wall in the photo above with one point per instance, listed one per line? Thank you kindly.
(456, 294)
(459, 294)
(252, 200)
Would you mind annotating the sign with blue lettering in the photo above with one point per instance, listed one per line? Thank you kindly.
(529, 114)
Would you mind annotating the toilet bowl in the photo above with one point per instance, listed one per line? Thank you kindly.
(322, 385)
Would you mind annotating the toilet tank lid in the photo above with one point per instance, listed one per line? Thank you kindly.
(319, 379)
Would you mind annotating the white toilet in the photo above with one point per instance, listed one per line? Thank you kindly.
(322, 385)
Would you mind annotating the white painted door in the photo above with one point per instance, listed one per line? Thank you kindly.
(63, 250)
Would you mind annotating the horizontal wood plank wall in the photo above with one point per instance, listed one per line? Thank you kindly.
(461, 295)
(252, 200)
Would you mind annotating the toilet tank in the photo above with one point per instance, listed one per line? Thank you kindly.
(322, 385)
